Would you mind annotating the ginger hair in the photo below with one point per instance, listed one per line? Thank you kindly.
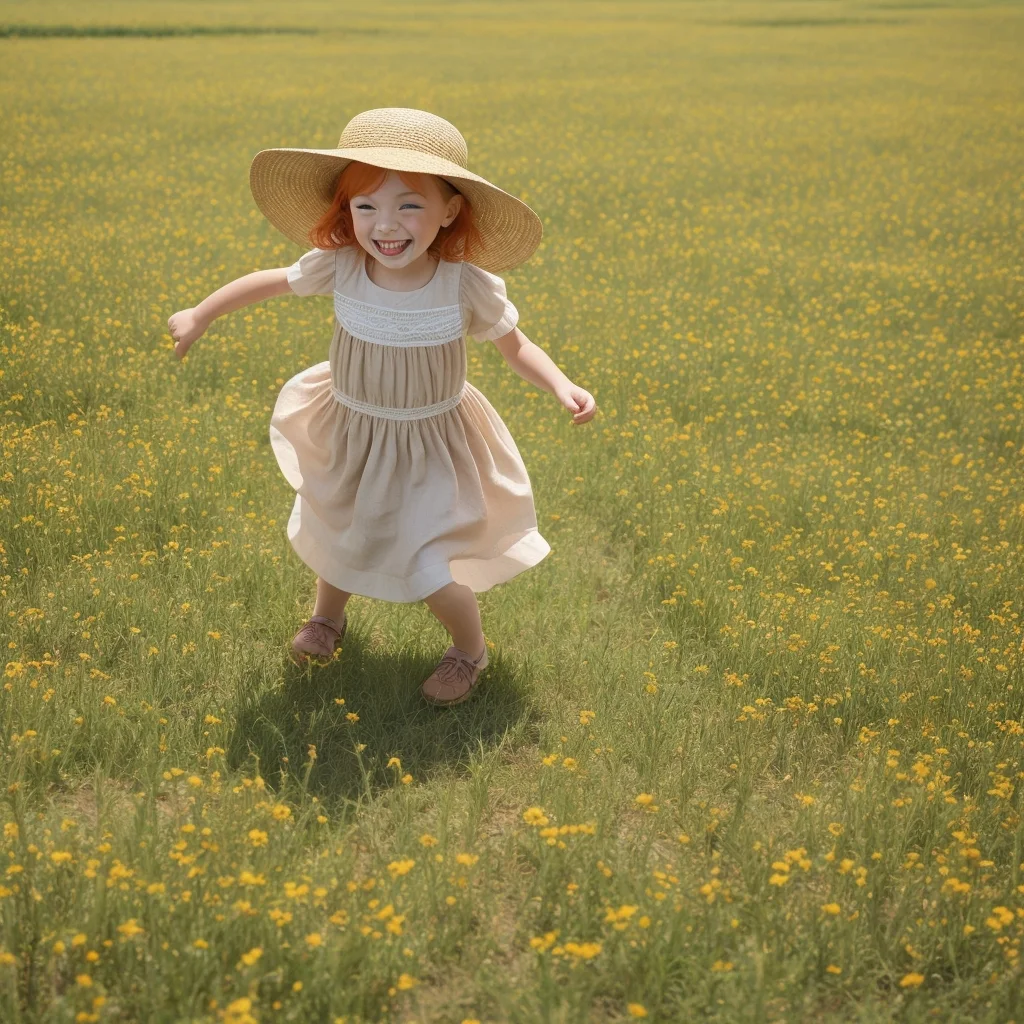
(459, 241)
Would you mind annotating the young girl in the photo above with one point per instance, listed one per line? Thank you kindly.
(409, 485)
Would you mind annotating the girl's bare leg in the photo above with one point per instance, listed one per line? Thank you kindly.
(456, 609)
(329, 600)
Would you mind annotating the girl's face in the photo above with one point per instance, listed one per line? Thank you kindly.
(396, 224)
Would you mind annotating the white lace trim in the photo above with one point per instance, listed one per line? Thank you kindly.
(392, 413)
(383, 325)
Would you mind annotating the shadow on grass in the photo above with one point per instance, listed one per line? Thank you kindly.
(278, 726)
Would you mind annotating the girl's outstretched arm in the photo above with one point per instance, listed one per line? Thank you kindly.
(532, 363)
(188, 325)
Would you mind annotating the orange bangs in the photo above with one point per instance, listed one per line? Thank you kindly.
(458, 242)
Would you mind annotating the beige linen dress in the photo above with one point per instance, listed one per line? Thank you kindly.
(407, 478)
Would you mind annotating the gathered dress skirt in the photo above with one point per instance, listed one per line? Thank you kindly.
(406, 477)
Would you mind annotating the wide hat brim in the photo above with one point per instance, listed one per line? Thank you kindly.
(294, 188)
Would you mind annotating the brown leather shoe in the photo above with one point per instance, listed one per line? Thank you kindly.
(453, 680)
(318, 639)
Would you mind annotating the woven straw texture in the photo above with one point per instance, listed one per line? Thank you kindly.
(294, 187)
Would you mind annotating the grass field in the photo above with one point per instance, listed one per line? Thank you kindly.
(750, 745)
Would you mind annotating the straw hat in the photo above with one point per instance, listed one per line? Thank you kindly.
(294, 187)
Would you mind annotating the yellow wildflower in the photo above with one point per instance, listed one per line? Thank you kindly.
(535, 816)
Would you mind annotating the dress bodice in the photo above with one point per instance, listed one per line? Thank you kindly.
(402, 354)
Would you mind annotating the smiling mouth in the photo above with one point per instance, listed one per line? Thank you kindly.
(391, 248)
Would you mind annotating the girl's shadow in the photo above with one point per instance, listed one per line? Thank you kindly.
(279, 725)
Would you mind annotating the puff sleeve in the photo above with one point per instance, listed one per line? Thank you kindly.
(487, 312)
(313, 273)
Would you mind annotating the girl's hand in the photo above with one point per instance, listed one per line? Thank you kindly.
(578, 401)
(185, 327)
